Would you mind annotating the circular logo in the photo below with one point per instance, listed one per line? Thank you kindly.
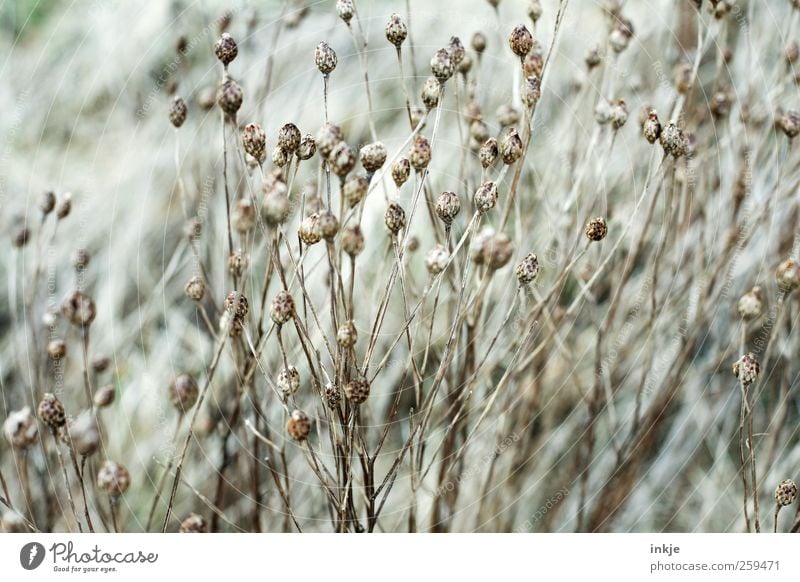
(31, 555)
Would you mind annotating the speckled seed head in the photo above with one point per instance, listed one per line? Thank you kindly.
(352, 240)
(342, 159)
(395, 218)
(225, 48)
(236, 305)
(619, 114)
(436, 259)
(347, 335)
(229, 97)
(456, 50)
(345, 9)
(104, 396)
(511, 146)
(442, 65)
(789, 123)
(534, 10)
(532, 91)
(56, 349)
(275, 207)
(325, 58)
(786, 492)
(177, 111)
(448, 206)
(673, 141)
(47, 202)
(373, 156)
(527, 269)
(113, 478)
(298, 426)
(84, 433)
(357, 391)
(243, 215)
(596, 229)
(651, 129)
(332, 395)
(280, 157)
(747, 368)
(254, 141)
(183, 392)
(520, 40)
(288, 380)
(238, 262)
(430, 93)
(355, 188)
(51, 411)
(497, 251)
(593, 57)
(787, 275)
(194, 523)
(328, 137)
(751, 304)
(396, 30)
(282, 308)
(328, 225)
(79, 309)
(478, 42)
(507, 115)
(420, 153)
(401, 169)
(289, 137)
(485, 197)
(307, 147)
(489, 152)
(20, 429)
(309, 231)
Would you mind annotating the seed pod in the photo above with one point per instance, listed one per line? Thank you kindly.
(788, 275)
(342, 159)
(511, 146)
(420, 153)
(593, 57)
(347, 335)
(229, 97)
(683, 76)
(243, 215)
(113, 478)
(478, 242)
(328, 137)
(328, 225)
(395, 218)
(532, 91)
(194, 523)
(465, 66)
(791, 53)
(282, 308)
(751, 304)
(332, 395)
(51, 411)
(527, 269)
(21, 236)
(534, 10)
(479, 131)
(396, 30)
(673, 141)
(80, 259)
(355, 188)
(720, 104)
(478, 42)
(485, 197)
(325, 58)
(100, 363)
(357, 391)
(298, 425)
(289, 138)
(497, 251)
(79, 309)
(520, 41)
(373, 156)
(183, 392)
(789, 123)
(596, 229)
(456, 50)
(417, 116)
(309, 231)
(83, 434)
(442, 65)
(651, 129)
(448, 206)
(20, 429)
(621, 35)
(436, 259)
(619, 114)
(288, 381)
(254, 141)
(177, 111)
(507, 115)
(489, 152)
(307, 147)
(64, 208)
(236, 305)
(275, 207)
(104, 396)
(47, 202)
(352, 240)
(238, 263)
(345, 9)
(225, 48)
(786, 492)
(280, 157)
(430, 93)
(401, 169)
(56, 349)
(747, 368)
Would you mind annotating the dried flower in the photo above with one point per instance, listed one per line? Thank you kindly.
(395, 218)
(238, 263)
(485, 197)
(254, 141)
(401, 169)
(593, 57)
(298, 425)
(288, 380)
(289, 137)
(673, 140)
(183, 392)
(243, 215)
(520, 41)
(436, 260)
(352, 240)
(511, 146)
(20, 429)
(332, 395)
(651, 129)
(229, 97)
(282, 308)
(57, 349)
(786, 492)
(355, 188)
(373, 156)
(347, 335)
(280, 157)
(225, 48)
(497, 251)
(177, 111)
(194, 523)
(747, 368)
(489, 152)
(532, 91)
(113, 478)
(430, 93)
(596, 229)
(420, 153)
(309, 231)
(83, 434)
(64, 208)
(789, 123)
(236, 305)
(751, 304)
(79, 309)
(456, 50)
(527, 269)
(328, 225)
(51, 411)
(396, 30)
(357, 391)
(345, 9)
(448, 206)
(104, 396)
(534, 10)
(275, 207)
(478, 42)
(325, 58)
(307, 147)
(342, 159)
(619, 114)
(507, 115)
(442, 65)
(788, 275)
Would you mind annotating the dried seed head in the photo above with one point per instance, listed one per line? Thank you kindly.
(347, 335)
(479, 131)
(465, 66)
(621, 34)
(593, 57)
(395, 218)
(238, 263)
(298, 425)
(430, 93)
(100, 363)
(619, 114)
(478, 42)
(254, 141)
(789, 123)
(683, 76)
(456, 50)
(229, 97)
(485, 197)
(373, 156)
(79, 309)
(355, 188)
(489, 152)
(596, 229)
(20, 429)
(64, 208)
(436, 259)
(602, 111)
(357, 391)
(280, 157)
(417, 116)
(651, 129)
(507, 115)
(534, 10)
(47, 202)
(478, 242)
(420, 153)
(104, 396)
(747, 368)
(511, 146)
(275, 207)
(396, 30)
(309, 230)
(328, 225)
(332, 395)
(352, 240)
(345, 9)
(720, 104)
(412, 245)
(791, 53)
(56, 349)
(225, 48)
(788, 275)
(448, 206)
(401, 169)
(243, 215)
(520, 40)
(328, 137)
(307, 147)
(342, 159)
(751, 304)
(51, 411)
(80, 259)
(532, 91)
(497, 251)
(527, 269)
(177, 111)
(288, 380)
(236, 305)
(84, 433)
(194, 523)
(113, 478)
(282, 308)
(183, 392)
(442, 65)
(673, 141)
(21, 236)
(289, 137)
(12, 522)
(325, 58)
(786, 492)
